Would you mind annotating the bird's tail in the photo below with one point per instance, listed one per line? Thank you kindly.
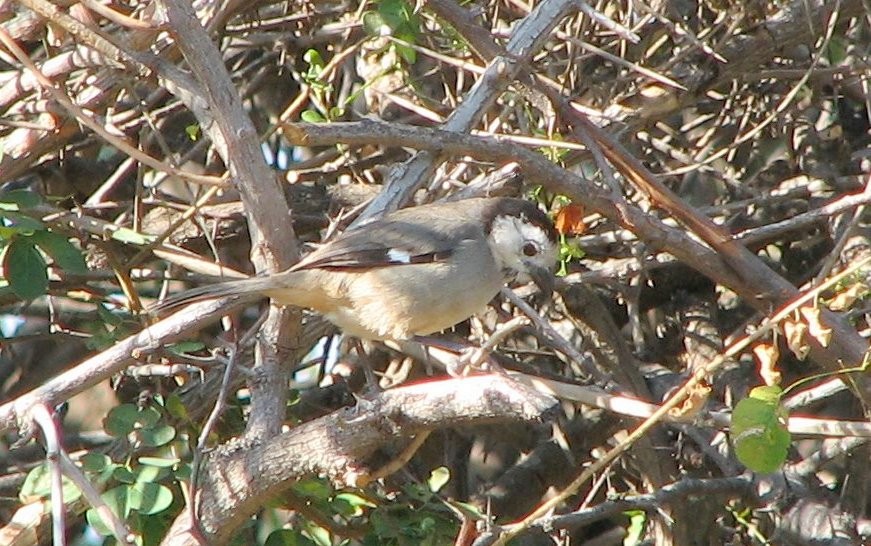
(248, 289)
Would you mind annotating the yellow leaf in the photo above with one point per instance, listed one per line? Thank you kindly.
(693, 404)
(768, 354)
(816, 328)
(794, 333)
(845, 299)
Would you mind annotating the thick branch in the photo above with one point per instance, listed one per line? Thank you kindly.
(240, 478)
(744, 273)
(15, 415)
(273, 243)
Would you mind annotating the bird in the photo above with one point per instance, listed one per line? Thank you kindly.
(412, 272)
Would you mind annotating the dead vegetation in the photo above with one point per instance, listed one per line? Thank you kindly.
(715, 158)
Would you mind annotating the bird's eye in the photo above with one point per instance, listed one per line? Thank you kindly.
(529, 249)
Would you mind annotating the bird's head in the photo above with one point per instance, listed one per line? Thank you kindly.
(524, 242)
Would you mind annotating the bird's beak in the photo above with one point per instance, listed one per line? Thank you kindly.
(543, 278)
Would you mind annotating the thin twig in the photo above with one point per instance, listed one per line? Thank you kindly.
(559, 342)
(51, 432)
(86, 120)
(119, 529)
(673, 401)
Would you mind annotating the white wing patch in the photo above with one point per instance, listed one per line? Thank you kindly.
(400, 256)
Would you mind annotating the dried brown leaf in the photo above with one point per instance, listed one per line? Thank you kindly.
(816, 328)
(795, 338)
(846, 298)
(768, 355)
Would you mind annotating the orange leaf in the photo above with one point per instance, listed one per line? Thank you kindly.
(570, 220)
(693, 404)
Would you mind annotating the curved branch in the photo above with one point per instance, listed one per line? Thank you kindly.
(240, 477)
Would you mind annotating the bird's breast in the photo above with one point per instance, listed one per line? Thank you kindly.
(418, 299)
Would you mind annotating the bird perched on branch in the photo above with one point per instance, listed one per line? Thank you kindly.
(412, 272)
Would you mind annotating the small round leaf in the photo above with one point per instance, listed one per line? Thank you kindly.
(150, 498)
(117, 501)
(759, 431)
(288, 537)
(157, 435)
(25, 269)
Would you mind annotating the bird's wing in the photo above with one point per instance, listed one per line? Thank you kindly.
(381, 243)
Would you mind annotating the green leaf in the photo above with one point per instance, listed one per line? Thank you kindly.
(320, 535)
(355, 500)
(193, 132)
(183, 472)
(117, 500)
(150, 474)
(124, 419)
(186, 347)
(312, 75)
(25, 269)
(176, 407)
(568, 251)
(129, 236)
(152, 530)
(400, 17)
(837, 51)
(120, 420)
(312, 116)
(438, 478)
(373, 23)
(124, 475)
(770, 394)
(149, 416)
(62, 251)
(159, 462)
(99, 467)
(759, 431)
(6, 233)
(157, 435)
(316, 489)
(21, 223)
(470, 509)
(288, 537)
(19, 199)
(37, 485)
(94, 462)
(313, 58)
(341, 507)
(635, 531)
(150, 498)
(408, 54)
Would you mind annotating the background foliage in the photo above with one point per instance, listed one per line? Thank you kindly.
(119, 184)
